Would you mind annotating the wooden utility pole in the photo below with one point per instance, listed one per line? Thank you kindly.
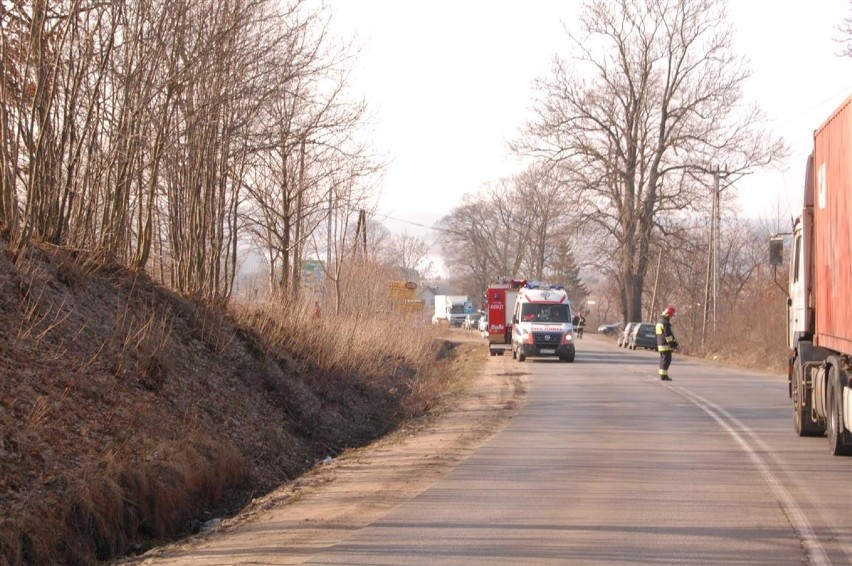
(717, 219)
(656, 280)
(706, 306)
(361, 233)
(329, 236)
(711, 286)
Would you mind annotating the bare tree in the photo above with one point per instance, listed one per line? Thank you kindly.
(305, 151)
(504, 231)
(466, 237)
(518, 227)
(405, 254)
(164, 129)
(653, 90)
(543, 212)
(349, 263)
(845, 38)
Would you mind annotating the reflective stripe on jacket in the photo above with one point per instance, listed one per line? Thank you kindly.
(665, 337)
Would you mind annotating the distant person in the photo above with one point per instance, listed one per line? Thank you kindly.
(315, 311)
(666, 342)
(581, 323)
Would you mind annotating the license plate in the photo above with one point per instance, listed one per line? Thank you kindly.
(547, 351)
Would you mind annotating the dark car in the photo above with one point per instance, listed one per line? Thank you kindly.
(643, 336)
(625, 334)
(610, 329)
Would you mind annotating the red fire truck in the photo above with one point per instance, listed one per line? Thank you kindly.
(500, 297)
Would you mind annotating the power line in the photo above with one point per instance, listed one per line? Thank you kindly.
(411, 222)
(781, 121)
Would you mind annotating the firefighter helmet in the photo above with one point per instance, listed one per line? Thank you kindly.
(668, 312)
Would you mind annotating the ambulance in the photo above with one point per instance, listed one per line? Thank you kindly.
(541, 323)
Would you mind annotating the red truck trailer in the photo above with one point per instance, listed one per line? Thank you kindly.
(820, 287)
(500, 297)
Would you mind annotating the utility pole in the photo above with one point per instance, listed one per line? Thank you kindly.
(716, 231)
(717, 221)
(656, 280)
(711, 288)
(361, 233)
(327, 265)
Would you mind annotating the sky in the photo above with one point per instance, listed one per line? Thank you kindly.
(448, 84)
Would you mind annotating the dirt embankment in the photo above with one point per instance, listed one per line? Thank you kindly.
(130, 415)
(354, 490)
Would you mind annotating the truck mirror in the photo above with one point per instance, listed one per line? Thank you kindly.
(776, 250)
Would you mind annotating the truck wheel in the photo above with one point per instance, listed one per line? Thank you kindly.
(521, 356)
(802, 423)
(835, 428)
(569, 359)
(514, 353)
(492, 352)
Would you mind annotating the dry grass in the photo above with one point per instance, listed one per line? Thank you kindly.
(753, 335)
(378, 348)
(129, 415)
(111, 505)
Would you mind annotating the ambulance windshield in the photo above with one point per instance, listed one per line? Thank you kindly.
(531, 312)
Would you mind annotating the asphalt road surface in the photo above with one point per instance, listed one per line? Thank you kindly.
(605, 464)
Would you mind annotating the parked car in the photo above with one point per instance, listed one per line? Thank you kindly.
(625, 334)
(471, 321)
(610, 329)
(643, 336)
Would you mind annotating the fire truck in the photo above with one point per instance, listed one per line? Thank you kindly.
(500, 297)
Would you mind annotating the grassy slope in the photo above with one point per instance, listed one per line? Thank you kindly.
(129, 414)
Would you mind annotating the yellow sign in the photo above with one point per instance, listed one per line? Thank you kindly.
(404, 295)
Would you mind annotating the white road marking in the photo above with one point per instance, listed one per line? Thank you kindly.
(813, 548)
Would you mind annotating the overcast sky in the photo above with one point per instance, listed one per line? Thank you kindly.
(448, 83)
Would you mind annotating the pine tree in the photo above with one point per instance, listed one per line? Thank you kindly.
(567, 273)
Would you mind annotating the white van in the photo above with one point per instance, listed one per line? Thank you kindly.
(541, 324)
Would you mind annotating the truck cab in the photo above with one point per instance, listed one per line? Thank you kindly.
(800, 305)
(541, 324)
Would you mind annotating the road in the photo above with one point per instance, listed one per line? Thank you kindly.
(602, 464)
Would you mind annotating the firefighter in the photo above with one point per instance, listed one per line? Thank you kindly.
(581, 323)
(666, 342)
